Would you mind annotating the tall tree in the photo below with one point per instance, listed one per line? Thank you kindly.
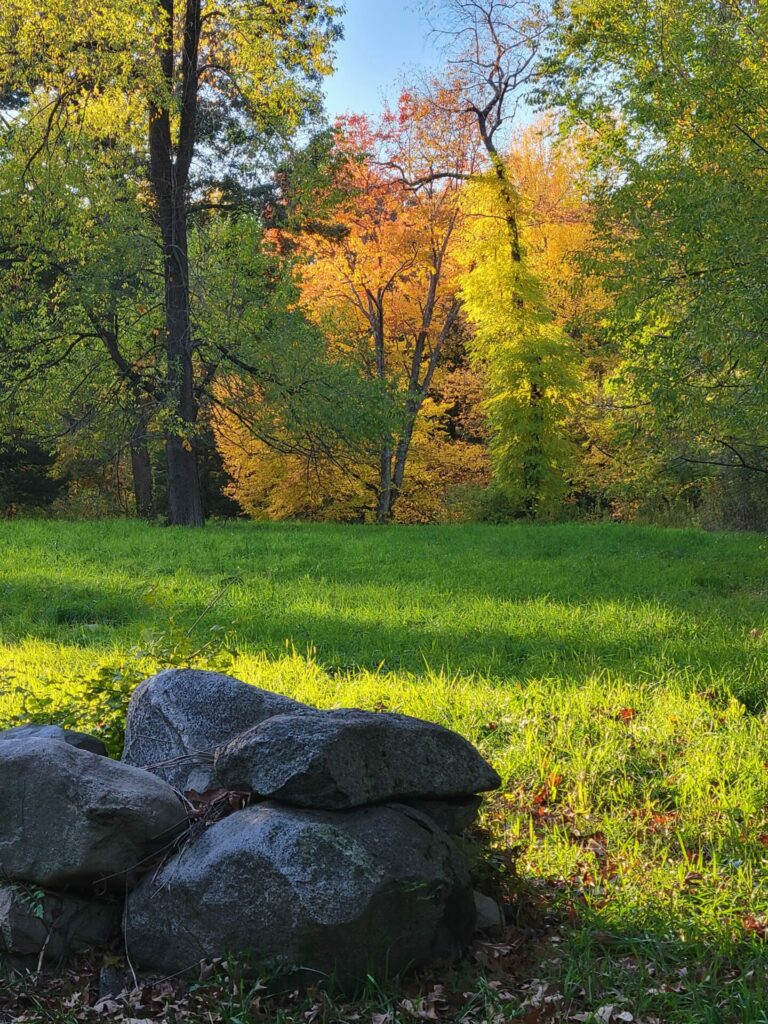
(137, 69)
(82, 352)
(385, 281)
(81, 321)
(521, 319)
(672, 98)
(494, 50)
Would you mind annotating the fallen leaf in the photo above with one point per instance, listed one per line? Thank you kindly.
(757, 925)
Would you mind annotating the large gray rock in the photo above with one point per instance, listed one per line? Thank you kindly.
(340, 759)
(71, 818)
(81, 740)
(177, 719)
(53, 927)
(374, 889)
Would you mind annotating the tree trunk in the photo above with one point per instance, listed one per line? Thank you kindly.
(169, 171)
(185, 506)
(392, 468)
(391, 474)
(384, 503)
(141, 468)
(384, 499)
(401, 458)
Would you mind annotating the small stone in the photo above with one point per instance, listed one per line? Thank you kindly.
(490, 913)
(113, 981)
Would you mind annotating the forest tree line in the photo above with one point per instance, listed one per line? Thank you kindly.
(532, 287)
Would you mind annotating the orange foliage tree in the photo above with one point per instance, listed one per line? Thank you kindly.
(380, 278)
(385, 285)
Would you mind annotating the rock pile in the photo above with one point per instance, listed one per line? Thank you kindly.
(239, 822)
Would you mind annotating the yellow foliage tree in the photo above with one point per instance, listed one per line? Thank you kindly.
(519, 301)
(271, 484)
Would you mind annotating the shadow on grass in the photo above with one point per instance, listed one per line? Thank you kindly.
(518, 643)
(655, 966)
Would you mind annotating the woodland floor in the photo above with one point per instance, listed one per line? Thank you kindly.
(616, 676)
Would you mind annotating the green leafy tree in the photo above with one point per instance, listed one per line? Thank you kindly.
(671, 97)
(136, 72)
(274, 371)
(82, 353)
(82, 318)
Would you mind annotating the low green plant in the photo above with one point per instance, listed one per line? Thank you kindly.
(97, 703)
(29, 896)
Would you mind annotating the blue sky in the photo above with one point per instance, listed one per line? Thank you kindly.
(382, 38)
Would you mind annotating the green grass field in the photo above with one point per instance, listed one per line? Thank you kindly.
(616, 676)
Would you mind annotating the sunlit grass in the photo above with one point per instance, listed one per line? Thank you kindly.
(617, 677)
